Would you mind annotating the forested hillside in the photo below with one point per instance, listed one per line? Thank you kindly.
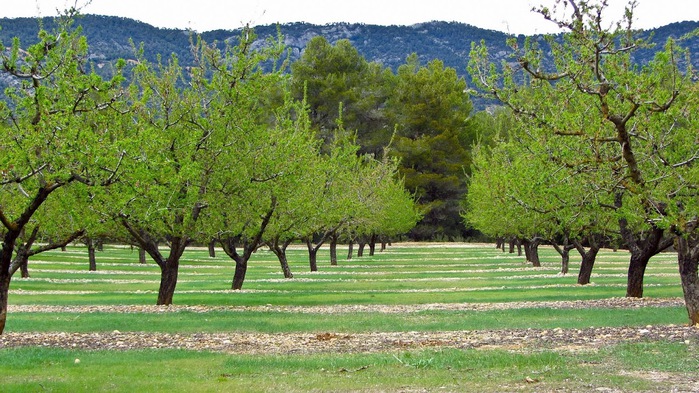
(111, 38)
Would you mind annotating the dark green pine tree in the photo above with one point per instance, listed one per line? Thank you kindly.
(430, 107)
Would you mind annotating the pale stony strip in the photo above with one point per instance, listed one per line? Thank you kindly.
(611, 303)
(97, 280)
(359, 291)
(330, 342)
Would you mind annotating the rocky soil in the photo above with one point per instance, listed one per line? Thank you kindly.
(305, 343)
(322, 342)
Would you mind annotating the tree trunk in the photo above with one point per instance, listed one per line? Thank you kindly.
(241, 260)
(168, 282)
(8, 248)
(241, 268)
(565, 261)
(372, 245)
(212, 249)
(24, 267)
(92, 261)
(280, 251)
(637, 269)
(100, 244)
(642, 251)
(284, 262)
(26, 250)
(312, 255)
(360, 249)
(688, 261)
(248, 244)
(141, 256)
(9, 239)
(169, 267)
(513, 241)
(588, 261)
(333, 250)
(21, 260)
(4, 291)
(641, 248)
(564, 251)
(531, 250)
(350, 250)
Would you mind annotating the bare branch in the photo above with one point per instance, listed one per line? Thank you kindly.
(20, 179)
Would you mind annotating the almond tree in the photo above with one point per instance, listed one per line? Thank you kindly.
(61, 128)
(333, 201)
(267, 187)
(389, 209)
(517, 190)
(640, 140)
(194, 129)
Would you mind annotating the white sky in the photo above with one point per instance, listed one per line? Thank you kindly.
(513, 16)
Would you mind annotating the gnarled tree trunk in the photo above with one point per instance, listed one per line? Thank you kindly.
(312, 255)
(564, 251)
(361, 242)
(279, 249)
(24, 267)
(168, 281)
(588, 260)
(642, 250)
(500, 243)
(241, 260)
(249, 245)
(241, 268)
(531, 251)
(169, 267)
(372, 244)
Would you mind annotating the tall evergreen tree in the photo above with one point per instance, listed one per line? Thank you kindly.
(430, 107)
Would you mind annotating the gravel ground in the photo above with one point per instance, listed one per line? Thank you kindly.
(615, 303)
(305, 343)
(324, 342)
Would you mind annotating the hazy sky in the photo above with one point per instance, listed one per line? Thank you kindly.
(513, 16)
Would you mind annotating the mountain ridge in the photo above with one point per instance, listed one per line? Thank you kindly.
(110, 38)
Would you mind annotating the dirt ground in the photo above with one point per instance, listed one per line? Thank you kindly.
(324, 342)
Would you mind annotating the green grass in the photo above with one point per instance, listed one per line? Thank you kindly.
(278, 322)
(56, 370)
(399, 276)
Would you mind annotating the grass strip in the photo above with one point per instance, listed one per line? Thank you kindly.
(281, 322)
(656, 366)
